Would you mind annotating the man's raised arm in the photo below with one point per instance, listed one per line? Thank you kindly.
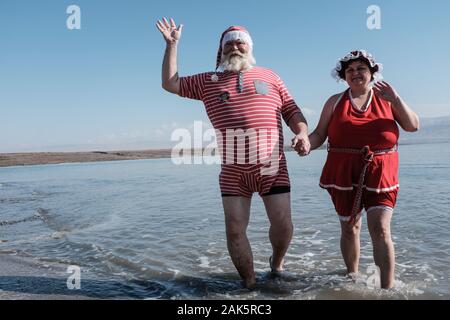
(171, 34)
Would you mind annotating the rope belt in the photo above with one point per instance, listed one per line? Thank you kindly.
(367, 156)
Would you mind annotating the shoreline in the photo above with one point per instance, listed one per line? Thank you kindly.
(43, 158)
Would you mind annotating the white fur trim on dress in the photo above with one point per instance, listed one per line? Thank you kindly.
(388, 189)
(385, 208)
(347, 218)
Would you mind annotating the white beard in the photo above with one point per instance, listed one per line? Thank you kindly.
(238, 63)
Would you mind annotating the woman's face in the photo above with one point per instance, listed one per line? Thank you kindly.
(358, 75)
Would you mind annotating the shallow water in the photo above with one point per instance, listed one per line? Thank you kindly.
(157, 231)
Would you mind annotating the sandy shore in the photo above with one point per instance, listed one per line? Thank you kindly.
(36, 158)
(25, 159)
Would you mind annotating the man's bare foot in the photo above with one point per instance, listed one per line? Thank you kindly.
(249, 283)
(276, 271)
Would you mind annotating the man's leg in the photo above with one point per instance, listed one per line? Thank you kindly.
(237, 215)
(278, 207)
(379, 223)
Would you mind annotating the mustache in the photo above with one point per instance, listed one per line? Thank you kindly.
(234, 53)
(235, 60)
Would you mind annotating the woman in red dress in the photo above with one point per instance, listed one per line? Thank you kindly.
(361, 170)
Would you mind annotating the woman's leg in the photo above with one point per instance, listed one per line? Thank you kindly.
(350, 244)
(379, 223)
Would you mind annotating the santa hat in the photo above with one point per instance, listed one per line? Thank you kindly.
(233, 33)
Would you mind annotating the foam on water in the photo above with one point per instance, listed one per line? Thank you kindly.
(204, 262)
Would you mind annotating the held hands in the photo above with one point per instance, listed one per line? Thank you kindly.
(301, 144)
(170, 32)
(385, 91)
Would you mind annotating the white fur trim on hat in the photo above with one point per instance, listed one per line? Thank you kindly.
(237, 35)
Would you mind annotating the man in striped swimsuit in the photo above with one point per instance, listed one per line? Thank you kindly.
(246, 105)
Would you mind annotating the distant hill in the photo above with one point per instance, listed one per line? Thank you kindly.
(431, 130)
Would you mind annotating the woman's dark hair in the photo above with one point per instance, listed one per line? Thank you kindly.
(345, 65)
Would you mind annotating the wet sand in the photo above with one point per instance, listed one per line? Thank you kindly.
(23, 278)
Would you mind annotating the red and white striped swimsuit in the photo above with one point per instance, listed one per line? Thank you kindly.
(252, 101)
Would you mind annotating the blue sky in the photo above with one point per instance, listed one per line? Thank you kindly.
(99, 87)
